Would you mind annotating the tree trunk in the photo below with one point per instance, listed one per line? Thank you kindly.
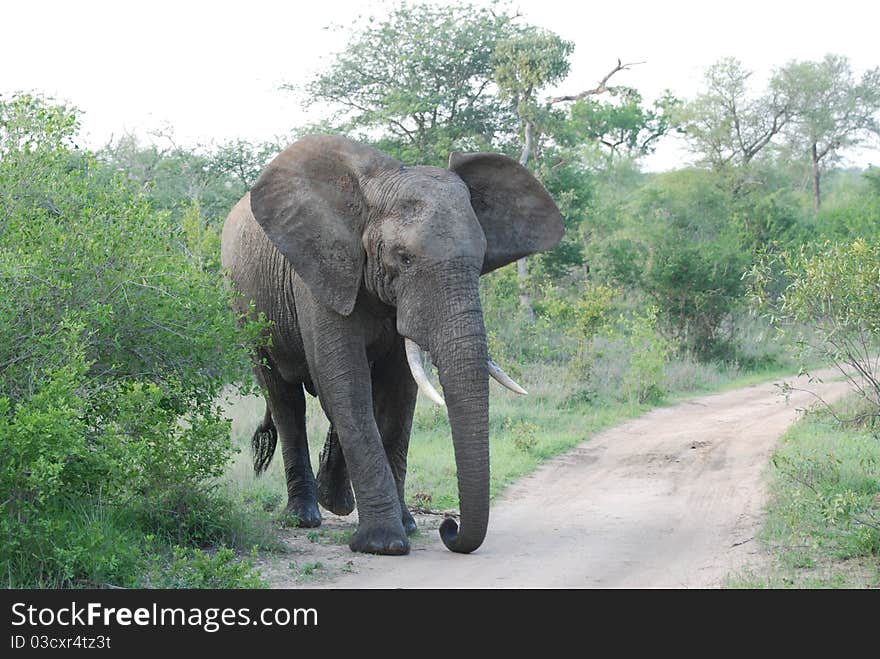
(817, 199)
(522, 272)
(528, 129)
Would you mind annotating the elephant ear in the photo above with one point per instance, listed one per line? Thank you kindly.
(309, 203)
(516, 212)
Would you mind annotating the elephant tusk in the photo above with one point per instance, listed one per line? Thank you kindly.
(414, 359)
(504, 379)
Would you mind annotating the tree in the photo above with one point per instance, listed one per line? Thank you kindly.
(625, 127)
(419, 82)
(727, 124)
(30, 122)
(168, 173)
(523, 65)
(691, 261)
(831, 110)
(175, 177)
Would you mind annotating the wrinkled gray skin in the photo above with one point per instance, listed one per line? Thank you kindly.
(348, 251)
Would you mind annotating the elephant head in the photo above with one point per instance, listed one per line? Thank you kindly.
(353, 221)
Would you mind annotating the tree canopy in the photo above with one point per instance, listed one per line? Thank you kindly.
(729, 124)
(419, 81)
(831, 110)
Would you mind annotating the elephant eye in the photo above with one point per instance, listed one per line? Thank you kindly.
(405, 259)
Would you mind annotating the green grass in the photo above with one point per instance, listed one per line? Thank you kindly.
(187, 567)
(90, 544)
(822, 527)
(306, 571)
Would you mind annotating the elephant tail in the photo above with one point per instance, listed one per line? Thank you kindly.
(263, 443)
(333, 483)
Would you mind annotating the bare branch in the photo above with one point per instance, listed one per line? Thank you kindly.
(421, 510)
(601, 88)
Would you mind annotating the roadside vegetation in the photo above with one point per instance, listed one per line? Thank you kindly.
(822, 528)
(125, 389)
(823, 520)
(115, 342)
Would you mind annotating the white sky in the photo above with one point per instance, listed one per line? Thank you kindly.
(211, 70)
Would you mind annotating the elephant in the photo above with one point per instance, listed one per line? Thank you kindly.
(362, 263)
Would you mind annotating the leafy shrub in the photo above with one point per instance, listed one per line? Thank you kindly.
(625, 361)
(523, 434)
(593, 309)
(115, 342)
(513, 337)
(578, 398)
(695, 287)
(649, 352)
(834, 288)
(680, 245)
(430, 417)
(194, 568)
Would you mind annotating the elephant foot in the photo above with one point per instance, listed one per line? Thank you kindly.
(306, 511)
(332, 481)
(409, 524)
(375, 539)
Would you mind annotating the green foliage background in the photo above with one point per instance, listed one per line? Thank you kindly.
(116, 341)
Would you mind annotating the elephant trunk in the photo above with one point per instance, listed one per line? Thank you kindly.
(459, 351)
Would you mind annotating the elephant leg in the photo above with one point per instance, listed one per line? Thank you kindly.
(394, 400)
(287, 404)
(335, 348)
(334, 484)
(380, 527)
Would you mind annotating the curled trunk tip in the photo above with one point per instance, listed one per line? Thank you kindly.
(454, 542)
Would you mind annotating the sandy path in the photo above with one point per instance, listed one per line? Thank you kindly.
(671, 499)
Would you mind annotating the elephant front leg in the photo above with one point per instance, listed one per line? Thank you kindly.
(380, 526)
(347, 400)
(394, 400)
(337, 359)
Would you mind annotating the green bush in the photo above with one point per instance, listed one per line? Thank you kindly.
(513, 337)
(680, 245)
(649, 352)
(194, 568)
(830, 307)
(626, 361)
(695, 287)
(115, 342)
(523, 434)
(593, 309)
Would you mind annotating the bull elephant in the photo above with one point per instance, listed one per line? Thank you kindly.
(361, 263)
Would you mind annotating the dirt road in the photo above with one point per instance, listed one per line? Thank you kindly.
(672, 499)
